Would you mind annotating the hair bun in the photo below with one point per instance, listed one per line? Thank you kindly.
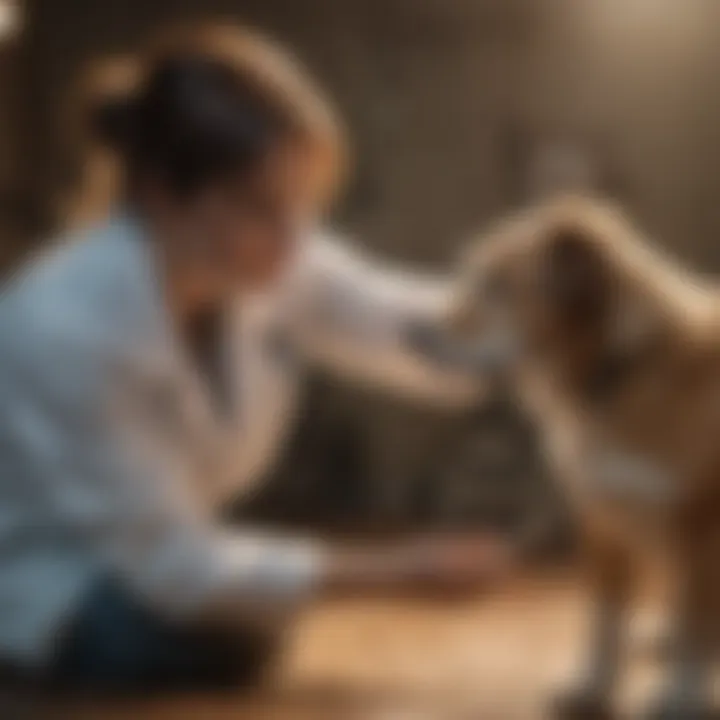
(112, 120)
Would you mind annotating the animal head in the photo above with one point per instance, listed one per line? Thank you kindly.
(569, 286)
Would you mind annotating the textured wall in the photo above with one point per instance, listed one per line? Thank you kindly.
(430, 86)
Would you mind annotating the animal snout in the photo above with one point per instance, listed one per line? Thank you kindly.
(430, 339)
(482, 353)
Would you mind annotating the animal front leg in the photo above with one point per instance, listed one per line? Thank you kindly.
(696, 628)
(590, 697)
(686, 695)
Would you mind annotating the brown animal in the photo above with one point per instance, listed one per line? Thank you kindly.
(615, 350)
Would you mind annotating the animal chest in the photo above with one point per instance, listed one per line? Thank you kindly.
(628, 491)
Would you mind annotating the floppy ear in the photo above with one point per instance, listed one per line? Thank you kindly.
(577, 280)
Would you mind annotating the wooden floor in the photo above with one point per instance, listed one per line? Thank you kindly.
(493, 659)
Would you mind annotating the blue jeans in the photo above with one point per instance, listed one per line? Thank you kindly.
(117, 645)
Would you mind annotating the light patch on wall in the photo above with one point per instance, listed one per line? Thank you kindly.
(653, 24)
(651, 55)
(10, 19)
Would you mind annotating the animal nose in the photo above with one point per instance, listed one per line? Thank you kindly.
(440, 345)
(426, 338)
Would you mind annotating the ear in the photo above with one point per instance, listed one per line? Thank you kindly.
(577, 280)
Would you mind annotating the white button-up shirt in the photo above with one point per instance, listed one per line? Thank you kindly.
(112, 457)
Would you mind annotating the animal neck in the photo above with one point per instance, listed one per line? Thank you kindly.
(615, 369)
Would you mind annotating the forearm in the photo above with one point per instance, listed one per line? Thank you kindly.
(351, 570)
(267, 580)
(358, 320)
(389, 362)
(421, 568)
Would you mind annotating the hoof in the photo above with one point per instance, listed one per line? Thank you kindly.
(581, 705)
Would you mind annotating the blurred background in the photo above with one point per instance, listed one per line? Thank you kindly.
(459, 110)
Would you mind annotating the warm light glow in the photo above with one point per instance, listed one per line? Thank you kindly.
(9, 18)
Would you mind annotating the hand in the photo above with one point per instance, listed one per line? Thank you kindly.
(428, 567)
(455, 566)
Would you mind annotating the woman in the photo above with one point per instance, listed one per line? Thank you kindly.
(148, 373)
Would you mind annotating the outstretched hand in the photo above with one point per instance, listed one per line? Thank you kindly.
(443, 567)
(457, 566)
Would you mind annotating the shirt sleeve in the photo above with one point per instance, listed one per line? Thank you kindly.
(357, 314)
(97, 438)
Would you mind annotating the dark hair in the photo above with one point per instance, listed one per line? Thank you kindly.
(210, 109)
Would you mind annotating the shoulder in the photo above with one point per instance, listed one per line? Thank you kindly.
(77, 305)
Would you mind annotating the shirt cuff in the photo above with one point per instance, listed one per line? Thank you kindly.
(271, 576)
